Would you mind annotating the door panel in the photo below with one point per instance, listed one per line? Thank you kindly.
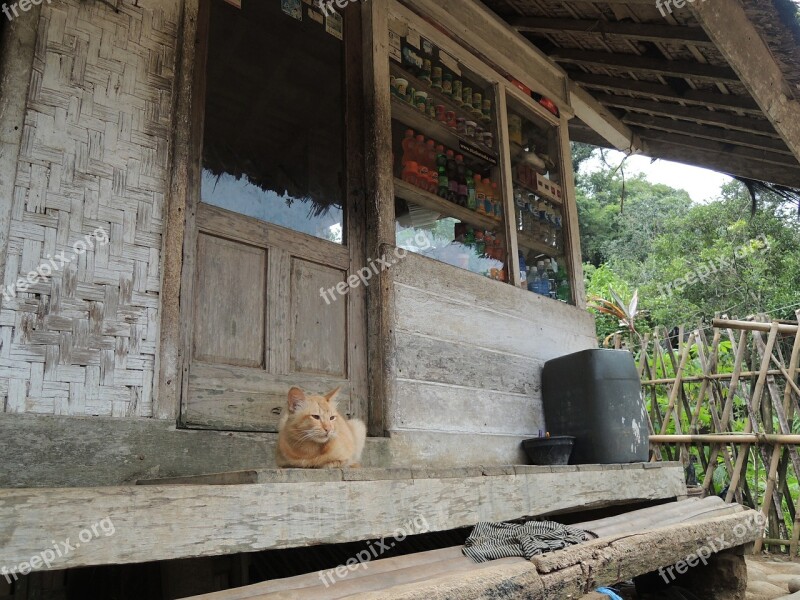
(319, 328)
(230, 294)
(261, 325)
(277, 214)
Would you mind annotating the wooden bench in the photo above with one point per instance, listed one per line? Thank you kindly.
(629, 545)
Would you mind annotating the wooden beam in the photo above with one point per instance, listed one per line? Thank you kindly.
(740, 43)
(153, 523)
(690, 113)
(717, 157)
(635, 31)
(706, 132)
(17, 50)
(761, 156)
(645, 64)
(603, 121)
(665, 92)
(487, 36)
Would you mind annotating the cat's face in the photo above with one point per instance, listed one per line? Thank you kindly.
(313, 418)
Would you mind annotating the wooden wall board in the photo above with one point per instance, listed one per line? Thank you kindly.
(180, 521)
(468, 362)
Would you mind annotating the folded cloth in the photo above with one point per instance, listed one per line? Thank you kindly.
(490, 541)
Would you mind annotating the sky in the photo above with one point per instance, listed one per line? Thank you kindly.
(703, 185)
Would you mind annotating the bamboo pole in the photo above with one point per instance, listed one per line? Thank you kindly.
(715, 376)
(754, 326)
(755, 439)
(787, 397)
(754, 407)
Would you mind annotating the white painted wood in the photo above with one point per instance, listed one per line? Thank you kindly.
(163, 522)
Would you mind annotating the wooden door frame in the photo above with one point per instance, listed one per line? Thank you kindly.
(180, 234)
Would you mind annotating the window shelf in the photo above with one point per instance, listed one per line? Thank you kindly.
(415, 119)
(411, 193)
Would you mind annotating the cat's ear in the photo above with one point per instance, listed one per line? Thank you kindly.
(295, 399)
(331, 396)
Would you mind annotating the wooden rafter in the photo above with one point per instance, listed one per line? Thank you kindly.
(736, 38)
(634, 31)
(665, 92)
(706, 132)
(644, 64)
(718, 157)
(690, 113)
(732, 150)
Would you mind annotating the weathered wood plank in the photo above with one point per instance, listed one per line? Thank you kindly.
(432, 276)
(430, 359)
(571, 572)
(230, 292)
(189, 519)
(525, 334)
(739, 42)
(237, 398)
(436, 407)
(45, 451)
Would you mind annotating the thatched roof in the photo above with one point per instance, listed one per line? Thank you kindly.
(664, 78)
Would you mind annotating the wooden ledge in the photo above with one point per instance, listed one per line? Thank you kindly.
(256, 476)
(163, 522)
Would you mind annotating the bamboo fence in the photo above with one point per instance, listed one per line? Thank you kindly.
(739, 379)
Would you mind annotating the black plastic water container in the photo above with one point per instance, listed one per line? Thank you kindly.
(596, 396)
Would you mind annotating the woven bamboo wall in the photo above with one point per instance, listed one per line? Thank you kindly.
(94, 154)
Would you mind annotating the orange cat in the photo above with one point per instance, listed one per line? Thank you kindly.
(312, 434)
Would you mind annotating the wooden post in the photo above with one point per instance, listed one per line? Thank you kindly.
(379, 209)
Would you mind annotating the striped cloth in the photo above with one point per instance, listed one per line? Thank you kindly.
(490, 541)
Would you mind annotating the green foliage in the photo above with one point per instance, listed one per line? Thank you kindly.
(688, 261)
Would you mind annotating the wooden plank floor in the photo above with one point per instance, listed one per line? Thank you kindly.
(384, 575)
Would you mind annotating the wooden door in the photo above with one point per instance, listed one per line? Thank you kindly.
(278, 224)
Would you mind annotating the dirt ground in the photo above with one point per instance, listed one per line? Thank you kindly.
(768, 578)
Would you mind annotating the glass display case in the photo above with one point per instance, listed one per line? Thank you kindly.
(538, 192)
(467, 193)
(444, 139)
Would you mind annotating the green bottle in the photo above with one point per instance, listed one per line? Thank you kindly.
(472, 196)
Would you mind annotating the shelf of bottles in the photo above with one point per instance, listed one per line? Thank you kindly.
(538, 202)
(444, 132)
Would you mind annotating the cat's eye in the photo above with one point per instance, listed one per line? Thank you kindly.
(333, 418)
(316, 417)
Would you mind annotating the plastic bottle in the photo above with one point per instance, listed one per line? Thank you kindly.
(498, 203)
(523, 272)
(441, 168)
(430, 163)
(472, 196)
(543, 282)
(409, 146)
(452, 177)
(419, 150)
(461, 175)
(533, 284)
(488, 199)
(480, 195)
